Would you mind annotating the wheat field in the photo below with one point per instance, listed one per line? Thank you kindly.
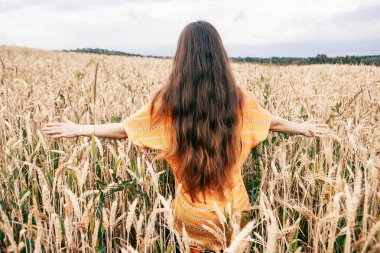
(90, 194)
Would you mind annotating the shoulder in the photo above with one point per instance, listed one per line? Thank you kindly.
(250, 101)
(252, 109)
(154, 102)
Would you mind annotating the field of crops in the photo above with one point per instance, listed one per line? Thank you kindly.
(105, 195)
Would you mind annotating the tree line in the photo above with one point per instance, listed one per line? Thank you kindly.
(318, 59)
(109, 52)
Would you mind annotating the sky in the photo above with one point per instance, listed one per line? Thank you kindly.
(256, 28)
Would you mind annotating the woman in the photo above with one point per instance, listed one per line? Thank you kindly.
(205, 125)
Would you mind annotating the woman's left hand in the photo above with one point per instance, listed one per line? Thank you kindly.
(65, 129)
(314, 129)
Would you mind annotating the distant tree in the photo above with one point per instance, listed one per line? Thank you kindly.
(318, 59)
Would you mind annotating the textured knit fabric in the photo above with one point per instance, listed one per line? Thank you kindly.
(192, 216)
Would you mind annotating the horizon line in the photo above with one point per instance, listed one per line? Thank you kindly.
(127, 53)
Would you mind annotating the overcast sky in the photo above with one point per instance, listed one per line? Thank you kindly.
(248, 27)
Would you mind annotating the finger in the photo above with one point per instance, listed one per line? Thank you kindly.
(49, 128)
(327, 130)
(54, 124)
(57, 135)
(320, 126)
(53, 131)
(54, 127)
(322, 130)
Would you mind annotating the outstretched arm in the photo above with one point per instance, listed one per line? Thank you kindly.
(307, 129)
(69, 129)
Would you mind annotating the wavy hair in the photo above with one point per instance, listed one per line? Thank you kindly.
(204, 106)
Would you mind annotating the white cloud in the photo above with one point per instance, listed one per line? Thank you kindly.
(153, 27)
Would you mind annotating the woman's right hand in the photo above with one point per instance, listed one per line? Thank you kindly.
(66, 129)
(314, 129)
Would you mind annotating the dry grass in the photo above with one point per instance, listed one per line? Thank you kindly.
(87, 194)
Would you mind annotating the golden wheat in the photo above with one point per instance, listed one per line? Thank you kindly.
(103, 195)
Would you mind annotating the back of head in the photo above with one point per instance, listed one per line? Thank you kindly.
(204, 104)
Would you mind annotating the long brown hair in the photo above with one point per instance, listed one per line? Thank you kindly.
(203, 103)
